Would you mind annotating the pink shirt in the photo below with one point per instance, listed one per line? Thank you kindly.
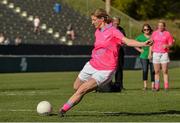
(105, 52)
(160, 39)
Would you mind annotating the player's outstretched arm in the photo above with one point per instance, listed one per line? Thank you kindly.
(134, 43)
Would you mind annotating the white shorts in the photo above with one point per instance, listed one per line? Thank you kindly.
(101, 76)
(160, 58)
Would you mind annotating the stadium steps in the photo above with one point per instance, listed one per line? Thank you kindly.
(13, 25)
(58, 22)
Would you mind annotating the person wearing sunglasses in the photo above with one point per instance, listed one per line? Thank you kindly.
(163, 40)
(145, 56)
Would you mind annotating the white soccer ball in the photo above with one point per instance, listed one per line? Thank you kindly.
(44, 108)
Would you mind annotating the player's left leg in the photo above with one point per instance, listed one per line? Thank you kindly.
(164, 64)
(165, 75)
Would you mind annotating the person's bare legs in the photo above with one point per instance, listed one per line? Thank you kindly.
(152, 85)
(83, 89)
(77, 83)
(145, 85)
(165, 75)
(157, 76)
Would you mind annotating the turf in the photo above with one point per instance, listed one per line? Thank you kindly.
(21, 92)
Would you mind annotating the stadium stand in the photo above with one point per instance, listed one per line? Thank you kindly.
(51, 50)
(16, 18)
(132, 27)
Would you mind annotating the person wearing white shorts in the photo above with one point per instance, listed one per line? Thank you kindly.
(163, 40)
(99, 70)
(102, 77)
(160, 58)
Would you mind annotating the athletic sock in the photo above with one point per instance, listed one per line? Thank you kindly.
(166, 85)
(67, 106)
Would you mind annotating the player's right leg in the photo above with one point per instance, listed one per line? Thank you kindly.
(83, 76)
(78, 82)
(86, 87)
(91, 79)
(79, 85)
(157, 76)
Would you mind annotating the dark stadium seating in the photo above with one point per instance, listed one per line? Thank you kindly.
(13, 24)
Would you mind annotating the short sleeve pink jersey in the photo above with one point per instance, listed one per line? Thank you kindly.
(160, 39)
(105, 53)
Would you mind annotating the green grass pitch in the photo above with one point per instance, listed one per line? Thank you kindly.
(21, 92)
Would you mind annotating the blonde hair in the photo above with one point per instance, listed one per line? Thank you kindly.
(101, 13)
(163, 22)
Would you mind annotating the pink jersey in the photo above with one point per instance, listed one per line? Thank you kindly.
(105, 52)
(160, 39)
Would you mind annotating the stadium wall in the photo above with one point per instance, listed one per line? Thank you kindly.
(46, 58)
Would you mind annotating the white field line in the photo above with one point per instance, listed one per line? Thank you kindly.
(16, 110)
(28, 110)
(31, 93)
(35, 93)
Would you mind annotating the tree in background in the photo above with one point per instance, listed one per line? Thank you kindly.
(108, 6)
(149, 9)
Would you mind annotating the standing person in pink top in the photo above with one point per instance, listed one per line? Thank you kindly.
(101, 67)
(163, 40)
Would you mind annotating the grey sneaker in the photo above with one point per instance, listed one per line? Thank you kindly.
(145, 89)
(61, 113)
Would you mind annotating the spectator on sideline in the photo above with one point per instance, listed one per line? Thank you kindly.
(118, 85)
(2, 38)
(6, 41)
(36, 23)
(18, 40)
(116, 23)
(163, 40)
(70, 32)
(145, 56)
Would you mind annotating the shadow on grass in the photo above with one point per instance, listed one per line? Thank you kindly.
(102, 114)
(53, 114)
(139, 89)
(175, 88)
(170, 112)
